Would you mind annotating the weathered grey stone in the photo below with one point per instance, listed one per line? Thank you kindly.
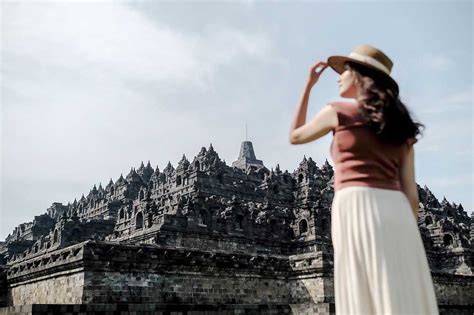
(240, 239)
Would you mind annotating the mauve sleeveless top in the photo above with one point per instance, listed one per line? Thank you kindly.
(360, 157)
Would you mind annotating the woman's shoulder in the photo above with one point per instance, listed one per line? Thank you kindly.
(344, 101)
(343, 105)
(347, 111)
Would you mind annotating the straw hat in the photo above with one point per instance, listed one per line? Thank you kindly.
(368, 56)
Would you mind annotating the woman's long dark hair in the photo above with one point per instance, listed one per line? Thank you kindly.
(381, 106)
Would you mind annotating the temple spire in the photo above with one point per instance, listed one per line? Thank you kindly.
(247, 157)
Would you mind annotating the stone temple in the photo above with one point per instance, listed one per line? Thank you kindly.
(208, 238)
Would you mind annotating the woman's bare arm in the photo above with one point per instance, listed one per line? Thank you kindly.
(323, 121)
(407, 180)
(300, 115)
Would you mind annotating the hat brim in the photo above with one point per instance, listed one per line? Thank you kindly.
(337, 64)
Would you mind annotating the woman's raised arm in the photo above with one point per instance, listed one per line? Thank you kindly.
(321, 123)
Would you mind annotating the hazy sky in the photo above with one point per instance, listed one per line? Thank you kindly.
(91, 89)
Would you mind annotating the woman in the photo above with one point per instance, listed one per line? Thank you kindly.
(380, 265)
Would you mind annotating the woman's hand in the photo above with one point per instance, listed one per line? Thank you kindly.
(315, 71)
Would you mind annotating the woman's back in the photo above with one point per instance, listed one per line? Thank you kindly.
(360, 157)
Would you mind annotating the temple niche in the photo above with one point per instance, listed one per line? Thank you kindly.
(261, 234)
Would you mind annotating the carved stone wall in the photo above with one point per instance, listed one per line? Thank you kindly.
(206, 233)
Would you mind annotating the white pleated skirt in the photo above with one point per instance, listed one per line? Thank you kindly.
(380, 264)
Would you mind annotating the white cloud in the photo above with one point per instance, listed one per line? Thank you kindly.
(110, 39)
(446, 117)
(439, 61)
(459, 99)
(460, 102)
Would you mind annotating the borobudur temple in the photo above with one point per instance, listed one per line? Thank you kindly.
(208, 238)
